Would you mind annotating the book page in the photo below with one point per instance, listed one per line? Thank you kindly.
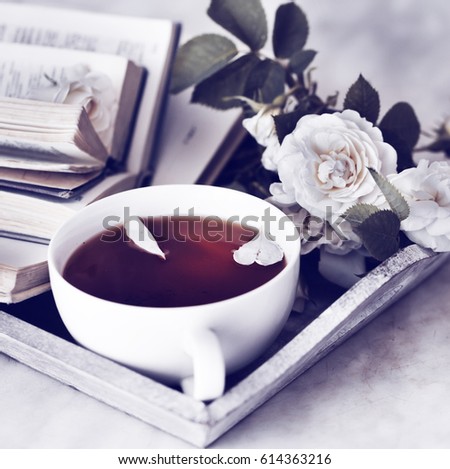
(52, 180)
(31, 72)
(49, 213)
(194, 135)
(17, 253)
(24, 68)
(146, 41)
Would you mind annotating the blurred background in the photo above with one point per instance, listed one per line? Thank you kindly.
(400, 46)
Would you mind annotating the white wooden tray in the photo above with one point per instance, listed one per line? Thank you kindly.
(302, 343)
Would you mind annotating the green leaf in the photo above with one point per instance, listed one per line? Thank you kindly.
(285, 123)
(363, 98)
(404, 153)
(300, 60)
(379, 234)
(402, 120)
(290, 30)
(401, 129)
(395, 200)
(245, 19)
(358, 213)
(199, 58)
(266, 82)
(217, 90)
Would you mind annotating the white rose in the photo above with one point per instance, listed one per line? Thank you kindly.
(262, 128)
(270, 153)
(427, 191)
(323, 163)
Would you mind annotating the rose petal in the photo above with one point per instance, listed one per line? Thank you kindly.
(439, 227)
(142, 238)
(428, 223)
(261, 250)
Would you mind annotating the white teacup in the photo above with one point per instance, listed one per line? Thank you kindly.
(194, 346)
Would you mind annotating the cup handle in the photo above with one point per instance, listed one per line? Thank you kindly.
(208, 380)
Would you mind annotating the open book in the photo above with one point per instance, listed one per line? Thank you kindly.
(63, 113)
(193, 143)
(55, 148)
(53, 158)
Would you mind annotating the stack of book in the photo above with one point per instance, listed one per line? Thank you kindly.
(81, 104)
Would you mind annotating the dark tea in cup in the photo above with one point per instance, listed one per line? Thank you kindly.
(199, 267)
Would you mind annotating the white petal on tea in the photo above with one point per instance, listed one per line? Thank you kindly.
(141, 236)
(261, 250)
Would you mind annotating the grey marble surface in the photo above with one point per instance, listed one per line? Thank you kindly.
(388, 385)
